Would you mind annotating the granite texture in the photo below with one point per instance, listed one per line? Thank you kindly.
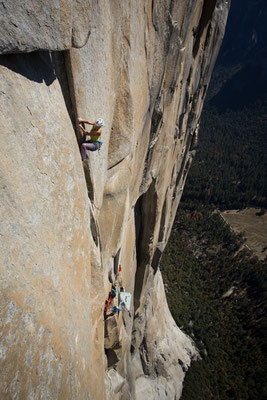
(67, 225)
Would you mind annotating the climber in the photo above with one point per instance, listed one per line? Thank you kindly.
(94, 143)
(110, 300)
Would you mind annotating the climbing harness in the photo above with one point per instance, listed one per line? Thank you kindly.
(99, 144)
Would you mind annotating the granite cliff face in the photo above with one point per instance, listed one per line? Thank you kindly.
(66, 225)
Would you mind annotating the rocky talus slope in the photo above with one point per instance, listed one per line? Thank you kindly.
(66, 226)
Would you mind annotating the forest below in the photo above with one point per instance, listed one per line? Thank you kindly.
(216, 287)
(216, 291)
(230, 169)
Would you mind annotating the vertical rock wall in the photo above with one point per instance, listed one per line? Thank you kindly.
(67, 225)
(45, 255)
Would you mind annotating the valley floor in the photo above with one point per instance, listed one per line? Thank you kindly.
(252, 225)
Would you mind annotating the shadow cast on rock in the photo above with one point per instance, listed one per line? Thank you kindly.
(36, 66)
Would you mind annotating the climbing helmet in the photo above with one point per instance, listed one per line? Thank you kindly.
(99, 122)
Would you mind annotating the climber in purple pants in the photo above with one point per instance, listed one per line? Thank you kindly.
(87, 146)
(93, 144)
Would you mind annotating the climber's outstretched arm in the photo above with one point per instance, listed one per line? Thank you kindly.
(85, 121)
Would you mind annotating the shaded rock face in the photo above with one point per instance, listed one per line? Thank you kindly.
(66, 226)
